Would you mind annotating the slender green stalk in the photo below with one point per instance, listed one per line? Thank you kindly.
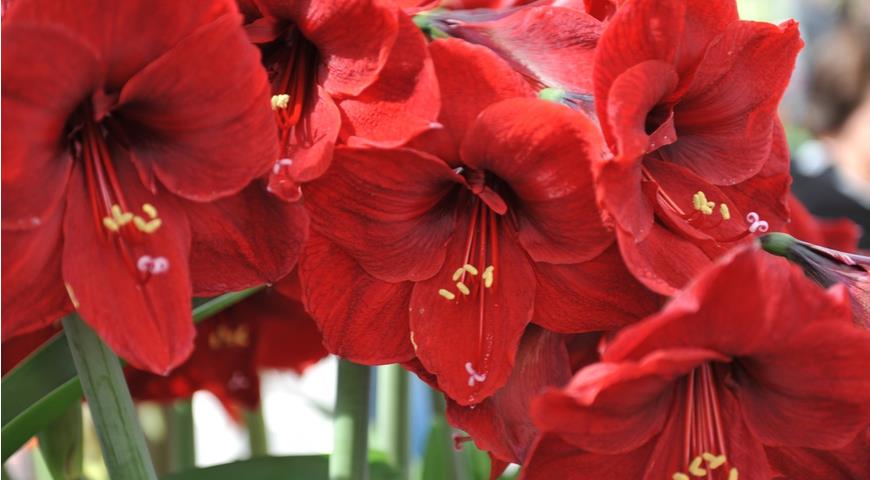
(182, 442)
(62, 445)
(349, 459)
(219, 304)
(257, 438)
(392, 416)
(456, 469)
(102, 379)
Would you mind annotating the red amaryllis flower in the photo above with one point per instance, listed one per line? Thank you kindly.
(839, 234)
(686, 95)
(376, 85)
(19, 347)
(828, 267)
(751, 354)
(506, 230)
(127, 126)
(851, 462)
(269, 330)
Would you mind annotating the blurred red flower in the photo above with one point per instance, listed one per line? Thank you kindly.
(131, 131)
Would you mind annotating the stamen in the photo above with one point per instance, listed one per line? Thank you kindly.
(413, 343)
(695, 467)
(473, 376)
(756, 224)
(147, 227)
(732, 475)
(488, 276)
(701, 204)
(149, 210)
(470, 268)
(680, 476)
(458, 274)
(723, 210)
(110, 224)
(714, 461)
(446, 294)
(463, 288)
(280, 102)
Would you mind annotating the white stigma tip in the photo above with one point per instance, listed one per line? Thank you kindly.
(152, 265)
(756, 224)
(473, 376)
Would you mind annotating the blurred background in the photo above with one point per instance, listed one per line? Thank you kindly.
(826, 112)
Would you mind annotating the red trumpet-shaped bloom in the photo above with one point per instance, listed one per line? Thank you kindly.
(455, 254)
(686, 95)
(132, 131)
(349, 70)
(751, 354)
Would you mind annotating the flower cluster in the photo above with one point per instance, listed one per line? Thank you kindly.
(548, 212)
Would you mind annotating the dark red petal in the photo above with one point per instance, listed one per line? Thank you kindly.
(385, 208)
(362, 318)
(617, 407)
(553, 458)
(705, 19)
(36, 163)
(840, 234)
(501, 424)
(542, 151)
(468, 335)
(256, 236)
(472, 78)
(618, 189)
(17, 348)
(354, 37)
(848, 463)
(148, 324)
(726, 117)
(204, 126)
(600, 294)
(33, 291)
(404, 101)
(663, 261)
(792, 398)
(640, 31)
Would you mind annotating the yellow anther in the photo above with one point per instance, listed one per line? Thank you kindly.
(280, 101)
(147, 227)
(446, 294)
(680, 476)
(470, 268)
(458, 274)
(463, 288)
(701, 204)
(72, 295)
(714, 461)
(695, 467)
(488, 276)
(723, 209)
(149, 210)
(110, 224)
(732, 475)
(116, 211)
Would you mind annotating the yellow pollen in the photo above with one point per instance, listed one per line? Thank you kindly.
(732, 475)
(701, 204)
(149, 210)
(280, 102)
(147, 227)
(723, 209)
(714, 461)
(110, 224)
(446, 294)
(695, 467)
(458, 274)
(488, 276)
(680, 476)
(470, 268)
(463, 288)
(72, 295)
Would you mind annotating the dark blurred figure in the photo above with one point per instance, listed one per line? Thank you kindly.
(832, 173)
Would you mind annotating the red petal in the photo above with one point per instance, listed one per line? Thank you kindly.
(848, 463)
(397, 229)
(204, 127)
(256, 236)
(541, 150)
(726, 117)
(841, 234)
(33, 292)
(501, 424)
(404, 101)
(362, 318)
(472, 78)
(553, 458)
(663, 261)
(148, 324)
(19, 347)
(457, 338)
(36, 163)
(354, 37)
(600, 294)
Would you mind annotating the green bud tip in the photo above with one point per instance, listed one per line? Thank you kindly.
(552, 94)
(778, 243)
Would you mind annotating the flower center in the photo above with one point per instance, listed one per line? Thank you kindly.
(704, 449)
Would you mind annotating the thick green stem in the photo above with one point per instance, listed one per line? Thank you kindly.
(392, 416)
(182, 440)
(349, 459)
(257, 438)
(121, 440)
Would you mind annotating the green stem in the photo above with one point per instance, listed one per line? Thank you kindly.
(392, 416)
(257, 438)
(219, 304)
(778, 243)
(62, 445)
(182, 440)
(456, 469)
(114, 416)
(349, 459)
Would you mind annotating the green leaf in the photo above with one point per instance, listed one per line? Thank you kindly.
(62, 445)
(44, 385)
(307, 467)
